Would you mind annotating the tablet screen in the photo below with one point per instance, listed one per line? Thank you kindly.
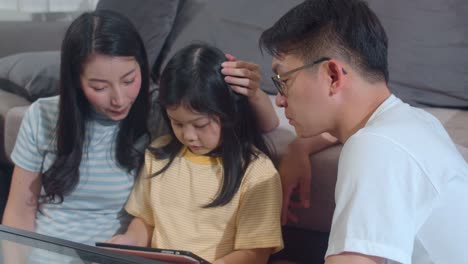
(174, 256)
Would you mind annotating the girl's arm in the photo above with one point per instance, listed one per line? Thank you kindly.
(246, 256)
(244, 78)
(21, 208)
(138, 234)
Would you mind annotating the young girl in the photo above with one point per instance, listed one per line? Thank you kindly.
(209, 187)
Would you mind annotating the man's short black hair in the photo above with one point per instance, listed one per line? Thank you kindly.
(347, 29)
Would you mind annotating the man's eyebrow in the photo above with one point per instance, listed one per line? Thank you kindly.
(275, 68)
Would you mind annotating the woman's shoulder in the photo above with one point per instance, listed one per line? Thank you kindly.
(44, 111)
(46, 105)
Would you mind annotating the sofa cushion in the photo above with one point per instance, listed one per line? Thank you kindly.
(7, 101)
(34, 74)
(428, 50)
(232, 26)
(324, 165)
(152, 18)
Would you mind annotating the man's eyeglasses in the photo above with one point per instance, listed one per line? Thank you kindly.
(281, 85)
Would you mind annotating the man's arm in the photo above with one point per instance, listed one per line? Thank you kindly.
(352, 258)
(295, 169)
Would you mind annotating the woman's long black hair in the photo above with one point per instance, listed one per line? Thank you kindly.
(193, 78)
(99, 32)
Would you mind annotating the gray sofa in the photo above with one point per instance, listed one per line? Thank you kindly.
(426, 81)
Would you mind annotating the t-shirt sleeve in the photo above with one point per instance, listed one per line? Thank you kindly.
(258, 217)
(26, 152)
(139, 201)
(382, 197)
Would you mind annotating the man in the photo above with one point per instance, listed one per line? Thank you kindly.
(401, 192)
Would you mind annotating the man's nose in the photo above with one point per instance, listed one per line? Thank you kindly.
(281, 100)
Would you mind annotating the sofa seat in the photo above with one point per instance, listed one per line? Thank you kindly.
(324, 164)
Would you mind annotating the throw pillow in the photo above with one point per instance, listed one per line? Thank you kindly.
(31, 74)
(152, 18)
(232, 26)
(428, 50)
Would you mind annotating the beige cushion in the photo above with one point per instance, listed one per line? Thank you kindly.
(7, 101)
(12, 126)
(325, 165)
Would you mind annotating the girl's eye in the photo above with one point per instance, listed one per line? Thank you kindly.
(201, 125)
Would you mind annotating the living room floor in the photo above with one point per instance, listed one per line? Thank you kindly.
(309, 246)
(5, 180)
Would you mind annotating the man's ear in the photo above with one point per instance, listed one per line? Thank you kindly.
(337, 75)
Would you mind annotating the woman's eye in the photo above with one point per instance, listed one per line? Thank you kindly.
(98, 88)
(128, 82)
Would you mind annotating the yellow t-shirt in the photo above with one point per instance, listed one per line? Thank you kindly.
(172, 202)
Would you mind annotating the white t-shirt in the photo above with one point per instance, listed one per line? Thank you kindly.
(402, 190)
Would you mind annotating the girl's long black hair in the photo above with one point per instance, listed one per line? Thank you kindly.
(193, 78)
(99, 32)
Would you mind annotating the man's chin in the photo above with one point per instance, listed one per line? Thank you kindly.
(306, 134)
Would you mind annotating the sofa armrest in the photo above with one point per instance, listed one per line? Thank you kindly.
(324, 165)
(17, 36)
(13, 121)
(7, 102)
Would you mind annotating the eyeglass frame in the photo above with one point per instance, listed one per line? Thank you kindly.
(281, 85)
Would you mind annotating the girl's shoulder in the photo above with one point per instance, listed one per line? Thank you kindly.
(260, 168)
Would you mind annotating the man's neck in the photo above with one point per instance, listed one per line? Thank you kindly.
(358, 107)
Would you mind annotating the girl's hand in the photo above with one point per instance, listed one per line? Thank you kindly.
(243, 76)
(124, 239)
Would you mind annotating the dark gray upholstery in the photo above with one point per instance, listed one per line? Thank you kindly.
(152, 18)
(232, 26)
(428, 50)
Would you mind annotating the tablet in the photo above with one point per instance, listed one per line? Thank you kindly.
(175, 256)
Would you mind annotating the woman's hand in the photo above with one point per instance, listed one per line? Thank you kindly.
(244, 78)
